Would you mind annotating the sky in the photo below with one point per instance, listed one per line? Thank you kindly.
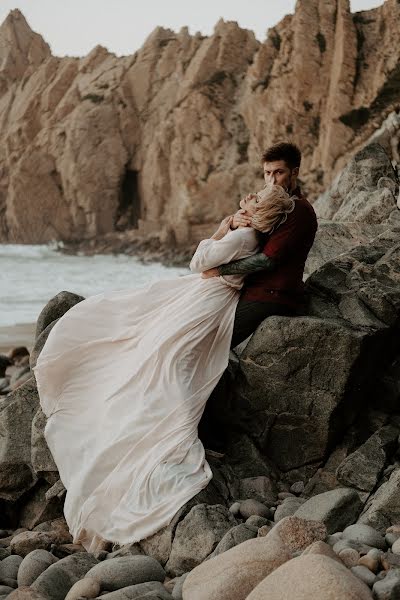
(74, 27)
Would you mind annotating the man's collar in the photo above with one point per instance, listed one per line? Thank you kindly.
(296, 191)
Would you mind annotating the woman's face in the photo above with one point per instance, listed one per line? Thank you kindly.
(249, 204)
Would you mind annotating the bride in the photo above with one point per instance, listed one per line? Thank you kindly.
(123, 380)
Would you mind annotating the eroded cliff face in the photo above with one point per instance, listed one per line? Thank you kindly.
(167, 140)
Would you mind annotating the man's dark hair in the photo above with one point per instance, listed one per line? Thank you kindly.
(286, 151)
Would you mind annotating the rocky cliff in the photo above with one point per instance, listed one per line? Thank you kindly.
(167, 140)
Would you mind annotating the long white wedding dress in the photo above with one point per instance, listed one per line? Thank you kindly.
(123, 380)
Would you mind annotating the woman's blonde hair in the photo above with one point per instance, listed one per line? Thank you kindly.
(273, 206)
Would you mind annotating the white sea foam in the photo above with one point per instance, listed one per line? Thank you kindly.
(31, 275)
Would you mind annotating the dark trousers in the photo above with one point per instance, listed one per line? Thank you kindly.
(219, 413)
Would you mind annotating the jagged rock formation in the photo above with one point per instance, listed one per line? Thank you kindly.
(167, 140)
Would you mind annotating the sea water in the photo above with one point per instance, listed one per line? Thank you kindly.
(31, 275)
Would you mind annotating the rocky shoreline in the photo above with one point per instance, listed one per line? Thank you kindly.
(305, 503)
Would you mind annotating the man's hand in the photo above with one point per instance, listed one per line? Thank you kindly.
(210, 273)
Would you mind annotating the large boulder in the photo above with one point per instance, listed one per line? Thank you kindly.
(311, 577)
(365, 191)
(362, 468)
(331, 362)
(336, 509)
(233, 574)
(320, 363)
(383, 508)
(197, 535)
(17, 410)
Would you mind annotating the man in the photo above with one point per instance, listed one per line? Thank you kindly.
(274, 276)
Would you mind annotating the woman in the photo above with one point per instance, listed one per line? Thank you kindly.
(123, 380)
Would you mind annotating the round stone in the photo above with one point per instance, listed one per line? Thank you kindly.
(251, 507)
(349, 557)
(364, 534)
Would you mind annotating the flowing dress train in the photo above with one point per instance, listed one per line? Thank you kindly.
(123, 379)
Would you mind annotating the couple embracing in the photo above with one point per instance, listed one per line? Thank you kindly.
(124, 376)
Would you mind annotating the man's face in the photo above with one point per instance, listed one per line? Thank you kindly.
(278, 173)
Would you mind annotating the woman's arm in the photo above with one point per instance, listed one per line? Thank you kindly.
(215, 252)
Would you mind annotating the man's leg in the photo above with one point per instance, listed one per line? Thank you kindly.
(213, 425)
(249, 315)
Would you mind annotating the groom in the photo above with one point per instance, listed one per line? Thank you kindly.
(274, 277)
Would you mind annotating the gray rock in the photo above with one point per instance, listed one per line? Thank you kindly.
(126, 550)
(336, 509)
(364, 574)
(56, 581)
(256, 522)
(55, 308)
(33, 565)
(250, 507)
(4, 552)
(5, 590)
(362, 468)
(288, 507)
(334, 238)
(197, 535)
(9, 582)
(39, 344)
(153, 590)
(364, 534)
(16, 414)
(383, 509)
(345, 545)
(297, 487)
(389, 587)
(235, 509)
(333, 538)
(293, 423)
(126, 571)
(390, 538)
(38, 508)
(177, 592)
(233, 537)
(260, 488)
(9, 568)
(42, 460)
(365, 190)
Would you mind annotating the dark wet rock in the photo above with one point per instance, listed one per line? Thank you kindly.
(56, 581)
(55, 308)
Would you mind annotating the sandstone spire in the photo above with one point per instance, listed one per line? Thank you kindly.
(20, 48)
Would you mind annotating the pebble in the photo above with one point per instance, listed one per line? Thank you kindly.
(333, 538)
(9, 568)
(284, 495)
(256, 521)
(297, 488)
(33, 565)
(396, 547)
(389, 587)
(8, 581)
(364, 574)
(152, 590)
(87, 587)
(364, 534)
(235, 509)
(288, 507)
(178, 589)
(371, 560)
(251, 507)
(349, 557)
(126, 571)
(391, 538)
